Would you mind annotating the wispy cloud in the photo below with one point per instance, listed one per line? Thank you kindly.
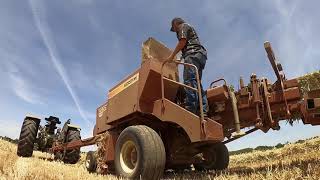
(23, 90)
(295, 33)
(41, 23)
(84, 36)
(17, 81)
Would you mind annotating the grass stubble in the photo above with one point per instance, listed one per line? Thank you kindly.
(293, 161)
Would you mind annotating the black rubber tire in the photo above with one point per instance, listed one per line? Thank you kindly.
(223, 157)
(91, 161)
(220, 158)
(72, 156)
(181, 168)
(28, 135)
(150, 152)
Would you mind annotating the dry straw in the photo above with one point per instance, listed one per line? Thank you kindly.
(309, 82)
(293, 161)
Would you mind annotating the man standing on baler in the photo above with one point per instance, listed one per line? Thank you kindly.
(193, 53)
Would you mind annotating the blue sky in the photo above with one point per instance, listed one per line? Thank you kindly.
(61, 57)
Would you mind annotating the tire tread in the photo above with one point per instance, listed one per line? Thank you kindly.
(72, 156)
(153, 159)
(27, 137)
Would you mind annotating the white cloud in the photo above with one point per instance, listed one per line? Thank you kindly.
(100, 49)
(18, 84)
(24, 90)
(297, 42)
(41, 23)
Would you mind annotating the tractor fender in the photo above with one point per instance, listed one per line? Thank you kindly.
(62, 135)
(33, 117)
(74, 127)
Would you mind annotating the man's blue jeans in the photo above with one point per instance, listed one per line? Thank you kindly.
(189, 77)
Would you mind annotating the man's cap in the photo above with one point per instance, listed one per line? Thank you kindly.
(176, 19)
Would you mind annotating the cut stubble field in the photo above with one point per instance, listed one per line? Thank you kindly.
(293, 161)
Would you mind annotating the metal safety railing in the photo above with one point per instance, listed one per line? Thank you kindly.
(221, 79)
(198, 89)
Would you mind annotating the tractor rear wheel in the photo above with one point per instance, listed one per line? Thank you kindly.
(27, 137)
(91, 161)
(72, 156)
(215, 157)
(140, 153)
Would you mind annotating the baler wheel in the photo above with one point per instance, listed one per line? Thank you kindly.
(181, 168)
(91, 161)
(72, 156)
(140, 153)
(222, 160)
(27, 137)
(216, 157)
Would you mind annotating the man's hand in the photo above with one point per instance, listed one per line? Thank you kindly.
(170, 58)
(182, 42)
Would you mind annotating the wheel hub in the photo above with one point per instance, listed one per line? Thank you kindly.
(87, 163)
(209, 156)
(128, 157)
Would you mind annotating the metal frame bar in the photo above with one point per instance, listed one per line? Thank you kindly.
(279, 73)
(246, 133)
(195, 89)
(202, 122)
(74, 144)
(267, 103)
(221, 79)
(233, 100)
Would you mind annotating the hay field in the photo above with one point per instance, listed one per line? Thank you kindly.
(293, 161)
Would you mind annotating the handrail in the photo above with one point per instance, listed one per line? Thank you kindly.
(221, 79)
(202, 122)
(195, 89)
